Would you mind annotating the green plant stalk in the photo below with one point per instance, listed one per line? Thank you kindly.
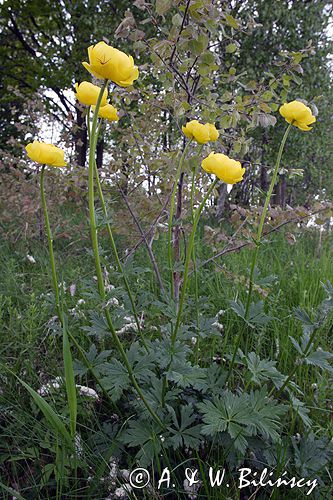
(116, 256)
(194, 173)
(94, 240)
(170, 223)
(187, 261)
(263, 217)
(50, 243)
(67, 355)
(91, 197)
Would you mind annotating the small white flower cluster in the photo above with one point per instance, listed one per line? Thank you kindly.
(217, 323)
(58, 382)
(192, 490)
(129, 326)
(112, 302)
(76, 311)
(31, 259)
(123, 491)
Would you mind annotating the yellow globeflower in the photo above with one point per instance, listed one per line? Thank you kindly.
(108, 112)
(87, 94)
(46, 154)
(108, 63)
(213, 132)
(199, 132)
(226, 169)
(298, 114)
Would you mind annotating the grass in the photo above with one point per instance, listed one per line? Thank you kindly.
(30, 344)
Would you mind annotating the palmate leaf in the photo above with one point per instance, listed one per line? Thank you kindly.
(154, 394)
(320, 358)
(163, 352)
(183, 433)
(307, 324)
(262, 370)
(242, 416)
(301, 410)
(96, 360)
(142, 362)
(187, 375)
(310, 356)
(215, 380)
(115, 378)
(256, 315)
(312, 454)
(229, 413)
(146, 435)
(266, 414)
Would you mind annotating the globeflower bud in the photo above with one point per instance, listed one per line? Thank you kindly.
(87, 94)
(108, 63)
(297, 114)
(108, 112)
(226, 169)
(46, 154)
(199, 132)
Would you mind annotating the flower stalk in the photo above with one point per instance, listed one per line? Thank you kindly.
(262, 219)
(94, 240)
(170, 223)
(50, 244)
(189, 254)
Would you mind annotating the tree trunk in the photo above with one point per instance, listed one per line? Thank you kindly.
(99, 153)
(80, 139)
(263, 178)
(280, 192)
(221, 200)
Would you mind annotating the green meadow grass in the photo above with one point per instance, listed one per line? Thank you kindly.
(30, 342)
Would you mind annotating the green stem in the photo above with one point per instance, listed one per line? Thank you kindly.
(172, 209)
(50, 243)
(194, 174)
(56, 287)
(91, 198)
(94, 240)
(263, 217)
(116, 256)
(187, 261)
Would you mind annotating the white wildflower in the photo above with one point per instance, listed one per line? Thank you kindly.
(72, 289)
(192, 490)
(87, 391)
(112, 302)
(218, 325)
(194, 340)
(31, 259)
(47, 388)
(123, 491)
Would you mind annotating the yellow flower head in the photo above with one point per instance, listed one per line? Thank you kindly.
(213, 132)
(108, 112)
(46, 154)
(108, 63)
(298, 114)
(87, 94)
(226, 169)
(199, 132)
